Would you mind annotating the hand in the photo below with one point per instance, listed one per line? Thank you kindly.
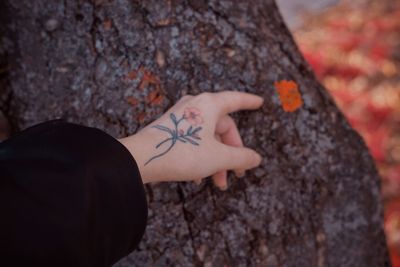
(194, 139)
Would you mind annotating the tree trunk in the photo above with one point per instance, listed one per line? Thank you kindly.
(118, 64)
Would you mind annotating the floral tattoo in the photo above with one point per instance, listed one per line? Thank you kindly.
(193, 117)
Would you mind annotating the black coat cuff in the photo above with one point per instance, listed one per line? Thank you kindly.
(70, 196)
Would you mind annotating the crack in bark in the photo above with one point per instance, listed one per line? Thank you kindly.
(186, 218)
(226, 18)
(93, 32)
(227, 247)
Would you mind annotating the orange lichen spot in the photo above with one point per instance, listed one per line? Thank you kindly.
(148, 78)
(131, 75)
(132, 100)
(143, 84)
(107, 24)
(141, 116)
(155, 97)
(289, 95)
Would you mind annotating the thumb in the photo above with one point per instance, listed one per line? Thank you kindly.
(240, 158)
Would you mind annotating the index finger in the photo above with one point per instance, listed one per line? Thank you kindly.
(231, 101)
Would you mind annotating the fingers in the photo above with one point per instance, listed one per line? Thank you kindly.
(240, 158)
(231, 101)
(220, 180)
(229, 134)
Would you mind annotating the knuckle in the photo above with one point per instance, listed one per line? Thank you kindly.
(204, 95)
(204, 98)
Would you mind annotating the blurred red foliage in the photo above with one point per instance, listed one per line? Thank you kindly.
(354, 50)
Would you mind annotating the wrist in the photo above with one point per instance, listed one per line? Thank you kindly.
(139, 145)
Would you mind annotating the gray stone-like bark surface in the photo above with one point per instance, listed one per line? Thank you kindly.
(118, 64)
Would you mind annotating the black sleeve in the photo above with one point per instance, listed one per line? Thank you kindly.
(69, 196)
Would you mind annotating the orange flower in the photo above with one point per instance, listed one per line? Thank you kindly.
(289, 95)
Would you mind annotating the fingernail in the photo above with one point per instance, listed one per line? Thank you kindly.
(198, 182)
(223, 188)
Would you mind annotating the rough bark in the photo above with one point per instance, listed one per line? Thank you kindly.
(118, 64)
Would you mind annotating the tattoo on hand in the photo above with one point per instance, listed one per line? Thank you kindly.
(191, 115)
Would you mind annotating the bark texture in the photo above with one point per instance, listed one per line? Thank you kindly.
(118, 64)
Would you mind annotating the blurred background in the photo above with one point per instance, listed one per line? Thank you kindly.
(354, 49)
